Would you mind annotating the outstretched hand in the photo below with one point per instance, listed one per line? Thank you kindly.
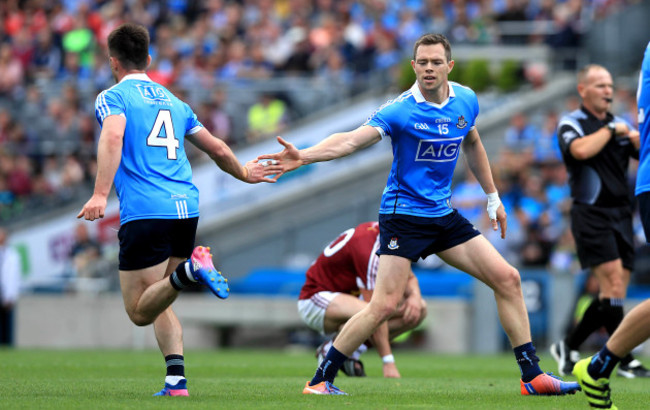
(261, 171)
(286, 160)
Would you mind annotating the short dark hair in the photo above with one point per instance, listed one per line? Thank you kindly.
(429, 39)
(584, 71)
(129, 44)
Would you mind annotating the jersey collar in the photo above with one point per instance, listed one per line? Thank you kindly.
(136, 76)
(608, 117)
(419, 98)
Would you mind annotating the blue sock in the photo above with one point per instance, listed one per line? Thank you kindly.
(602, 364)
(527, 361)
(329, 367)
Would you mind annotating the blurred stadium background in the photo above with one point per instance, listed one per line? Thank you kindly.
(302, 69)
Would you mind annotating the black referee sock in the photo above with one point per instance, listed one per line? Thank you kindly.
(612, 311)
(592, 319)
(175, 365)
(182, 277)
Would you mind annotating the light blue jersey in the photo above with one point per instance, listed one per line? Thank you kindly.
(154, 179)
(426, 140)
(643, 102)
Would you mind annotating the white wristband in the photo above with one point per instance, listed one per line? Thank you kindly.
(493, 204)
(389, 358)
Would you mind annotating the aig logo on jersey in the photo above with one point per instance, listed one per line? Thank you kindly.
(152, 93)
(438, 150)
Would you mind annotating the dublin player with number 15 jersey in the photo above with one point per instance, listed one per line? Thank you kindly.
(427, 125)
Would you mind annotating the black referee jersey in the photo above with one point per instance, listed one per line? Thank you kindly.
(602, 179)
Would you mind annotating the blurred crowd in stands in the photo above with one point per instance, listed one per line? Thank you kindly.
(53, 63)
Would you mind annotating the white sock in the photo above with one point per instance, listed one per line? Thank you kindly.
(173, 380)
(188, 271)
(357, 353)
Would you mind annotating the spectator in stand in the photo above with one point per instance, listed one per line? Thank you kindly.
(19, 178)
(439, 21)
(258, 67)
(334, 70)
(266, 118)
(545, 146)
(521, 135)
(6, 124)
(515, 11)
(23, 47)
(20, 143)
(85, 253)
(80, 41)
(6, 197)
(218, 120)
(11, 71)
(9, 288)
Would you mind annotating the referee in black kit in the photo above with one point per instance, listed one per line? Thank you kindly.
(596, 147)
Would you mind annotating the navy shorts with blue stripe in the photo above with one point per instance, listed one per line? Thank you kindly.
(415, 237)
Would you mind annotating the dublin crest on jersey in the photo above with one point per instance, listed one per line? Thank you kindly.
(392, 245)
(461, 122)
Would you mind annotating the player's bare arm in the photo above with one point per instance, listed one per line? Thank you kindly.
(412, 306)
(109, 156)
(480, 166)
(253, 172)
(337, 145)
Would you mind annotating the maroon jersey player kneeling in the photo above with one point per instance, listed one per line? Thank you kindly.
(341, 282)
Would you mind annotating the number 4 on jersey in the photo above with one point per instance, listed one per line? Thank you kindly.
(168, 140)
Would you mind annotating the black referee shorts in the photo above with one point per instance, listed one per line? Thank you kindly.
(147, 242)
(603, 235)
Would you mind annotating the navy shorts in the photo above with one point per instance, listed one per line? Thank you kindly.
(603, 235)
(147, 242)
(415, 237)
(644, 212)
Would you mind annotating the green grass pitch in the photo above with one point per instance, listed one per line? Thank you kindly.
(255, 379)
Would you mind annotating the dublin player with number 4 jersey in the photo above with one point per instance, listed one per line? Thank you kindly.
(427, 125)
(141, 149)
(341, 282)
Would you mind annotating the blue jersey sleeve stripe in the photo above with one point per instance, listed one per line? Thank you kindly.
(98, 109)
(194, 130)
(102, 106)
